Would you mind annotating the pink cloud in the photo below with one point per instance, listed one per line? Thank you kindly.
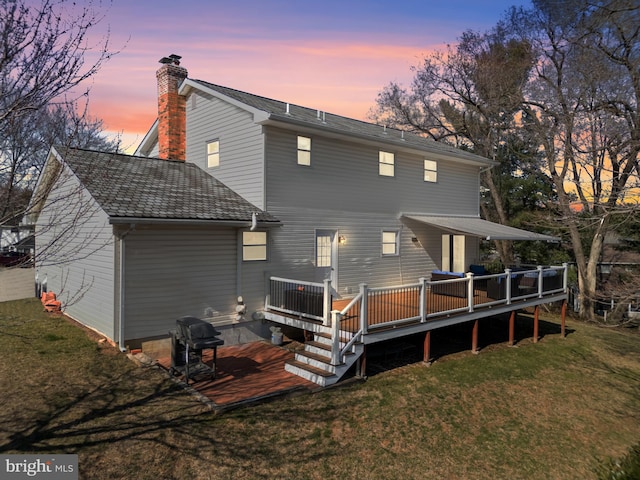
(341, 78)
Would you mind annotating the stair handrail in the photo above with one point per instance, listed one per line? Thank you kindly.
(353, 301)
(350, 343)
(336, 316)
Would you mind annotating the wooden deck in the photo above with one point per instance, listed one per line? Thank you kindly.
(403, 305)
(346, 327)
(246, 374)
(430, 303)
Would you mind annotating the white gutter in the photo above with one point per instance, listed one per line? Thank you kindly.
(122, 263)
(189, 221)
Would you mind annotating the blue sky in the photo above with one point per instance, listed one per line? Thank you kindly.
(329, 54)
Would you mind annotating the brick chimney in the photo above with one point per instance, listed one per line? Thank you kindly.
(172, 116)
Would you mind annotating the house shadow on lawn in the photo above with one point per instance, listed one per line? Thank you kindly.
(493, 332)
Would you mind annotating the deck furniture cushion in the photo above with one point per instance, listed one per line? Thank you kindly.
(477, 269)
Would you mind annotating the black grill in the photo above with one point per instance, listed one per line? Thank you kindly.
(191, 336)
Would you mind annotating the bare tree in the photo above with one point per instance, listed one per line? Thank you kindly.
(467, 96)
(44, 53)
(582, 103)
(565, 76)
(26, 141)
(45, 56)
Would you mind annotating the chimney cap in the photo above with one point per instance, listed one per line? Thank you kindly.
(171, 59)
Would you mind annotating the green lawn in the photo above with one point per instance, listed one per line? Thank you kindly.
(555, 409)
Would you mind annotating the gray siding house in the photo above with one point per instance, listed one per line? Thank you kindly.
(129, 244)
(229, 189)
(330, 180)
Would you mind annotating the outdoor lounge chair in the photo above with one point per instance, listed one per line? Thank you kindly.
(497, 287)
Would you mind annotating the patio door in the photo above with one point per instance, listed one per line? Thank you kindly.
(327, 256)
(453, 253)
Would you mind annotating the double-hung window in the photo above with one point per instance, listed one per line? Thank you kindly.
(304, 151)
(390, 239)
(254, 246)
(430, 171)
(213, 154)
(386, 164)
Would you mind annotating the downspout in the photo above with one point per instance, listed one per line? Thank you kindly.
(121, 323)
(121, 243)
(254, 225)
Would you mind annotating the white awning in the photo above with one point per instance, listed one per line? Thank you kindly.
(478, 227)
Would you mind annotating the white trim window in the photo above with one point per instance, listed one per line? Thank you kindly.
(430, 171)
(323, 250)
(304, 151)
(254, 246)
(213, 154)
(386, 164)
(390, 242)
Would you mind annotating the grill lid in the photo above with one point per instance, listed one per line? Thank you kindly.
(195, 329)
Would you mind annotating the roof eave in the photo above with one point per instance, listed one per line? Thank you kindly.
(148, 141)
(190, 221)
(262, 117)
(435, 153)
(188, 84)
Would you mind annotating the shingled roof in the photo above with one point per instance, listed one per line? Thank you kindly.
(283, 112)
(128, 187)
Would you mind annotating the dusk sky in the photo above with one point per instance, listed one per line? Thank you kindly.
(330, 55)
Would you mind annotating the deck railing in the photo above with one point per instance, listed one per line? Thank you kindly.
(298, 298)
(388, 307)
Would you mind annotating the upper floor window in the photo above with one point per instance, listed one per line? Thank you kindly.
(254, 246)
(213, 154)
(304, 151)
(390, 240)
(430, 171)
(386, 165)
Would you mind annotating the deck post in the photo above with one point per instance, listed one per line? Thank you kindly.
(326, 303)
(536, 315)
(335, 337)
(507, 286)
(540, 268)
(562, 317)
(470, 290)
(474, 337)
(364, 302)
(267, 288)
(512, 328)
(423, 299)
(361, 366)
(427, 348)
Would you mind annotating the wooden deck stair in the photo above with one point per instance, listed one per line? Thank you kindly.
(314, 362)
